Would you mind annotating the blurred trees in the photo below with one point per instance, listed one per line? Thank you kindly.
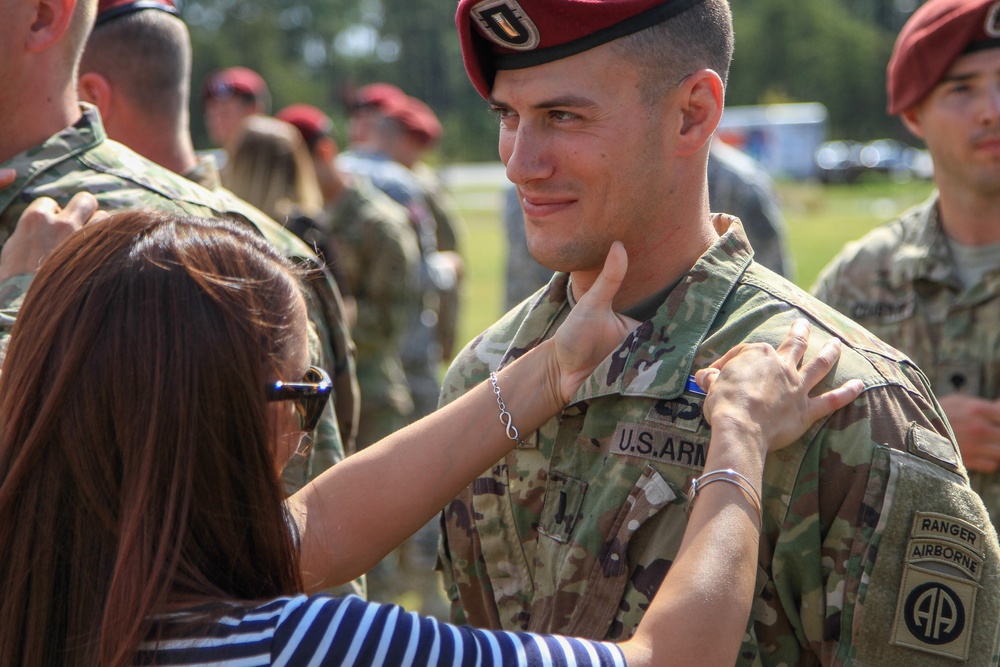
(316, 51)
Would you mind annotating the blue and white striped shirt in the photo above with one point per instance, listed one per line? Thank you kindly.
(320, 630)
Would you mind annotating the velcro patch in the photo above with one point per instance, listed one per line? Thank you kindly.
(683, 412)
(935, 613)
(680, 449)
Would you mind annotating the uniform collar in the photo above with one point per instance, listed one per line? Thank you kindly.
(78, 138)
(656, 359)
(205, 172)
(924, 253)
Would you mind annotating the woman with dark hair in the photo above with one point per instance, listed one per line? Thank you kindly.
(155, 383)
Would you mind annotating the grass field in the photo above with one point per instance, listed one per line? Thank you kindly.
(820, 220)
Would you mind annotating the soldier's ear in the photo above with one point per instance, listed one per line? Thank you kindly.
(96, 89)
(51, 22)
(911, 119)
(702, 96)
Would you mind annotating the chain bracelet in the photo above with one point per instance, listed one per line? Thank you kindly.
(505, 417)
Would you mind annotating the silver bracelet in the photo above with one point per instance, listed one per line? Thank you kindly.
(505, 417)
(732, 477)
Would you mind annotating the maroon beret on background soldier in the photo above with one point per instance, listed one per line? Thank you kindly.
(416, 118)
(110, 9)
(231, 81)
(310, 121)
(935, 36)
(506, 37)
(376, 95)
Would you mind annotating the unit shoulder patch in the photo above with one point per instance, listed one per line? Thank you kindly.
(937, 597)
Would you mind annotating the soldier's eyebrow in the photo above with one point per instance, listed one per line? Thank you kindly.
(959, 77)
(563, 102)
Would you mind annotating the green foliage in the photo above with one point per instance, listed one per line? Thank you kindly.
(805, 51)
(316, 51)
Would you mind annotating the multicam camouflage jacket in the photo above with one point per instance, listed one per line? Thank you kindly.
(379, 259)
(874, 550)
(900, 282)
(81, 157)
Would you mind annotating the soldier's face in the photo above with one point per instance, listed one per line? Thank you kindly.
(960, 122)
(587, 154)
(223, 117)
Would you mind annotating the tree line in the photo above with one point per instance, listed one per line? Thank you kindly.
(317, 51)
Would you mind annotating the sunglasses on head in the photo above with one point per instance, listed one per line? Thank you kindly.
(310, 395)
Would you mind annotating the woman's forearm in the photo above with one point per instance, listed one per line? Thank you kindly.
(358, 511)
(710, 583)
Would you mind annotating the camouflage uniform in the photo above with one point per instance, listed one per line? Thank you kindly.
(81, 157)
(379, 260)
(900, 282)
(421, 352)
(575, 529)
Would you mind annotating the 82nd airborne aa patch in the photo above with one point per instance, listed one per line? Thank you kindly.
(937, 597)
(505, 23)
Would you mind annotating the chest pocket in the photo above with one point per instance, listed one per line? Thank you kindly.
(588, 591)
(563, 504)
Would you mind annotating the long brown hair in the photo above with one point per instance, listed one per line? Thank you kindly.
(271, 168)
(136, 459)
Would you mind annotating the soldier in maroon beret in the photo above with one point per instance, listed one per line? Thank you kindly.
(230, 96)
(606, 112)
(136, 69)
(929, 281)
(367, 107)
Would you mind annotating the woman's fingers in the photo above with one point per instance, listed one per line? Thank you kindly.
(834, 399)
(796, 341)
(603, 291)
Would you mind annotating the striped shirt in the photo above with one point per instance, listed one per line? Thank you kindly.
(320, 630)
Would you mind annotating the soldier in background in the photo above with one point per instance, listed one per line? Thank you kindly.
(606, 117)
(230, 96)
(737, 184)
(372, 160)
(420, 131)
(929, 281)
(136, 68)
(378, 259)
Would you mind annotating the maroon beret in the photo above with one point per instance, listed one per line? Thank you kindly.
(235, 81)
(377, 95)
(507, 34)
(310, 122)
(110, 9)
(416, 118)
(930, 42)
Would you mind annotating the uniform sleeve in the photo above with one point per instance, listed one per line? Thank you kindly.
(392, 295)
(12, 291)
(892, 561)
